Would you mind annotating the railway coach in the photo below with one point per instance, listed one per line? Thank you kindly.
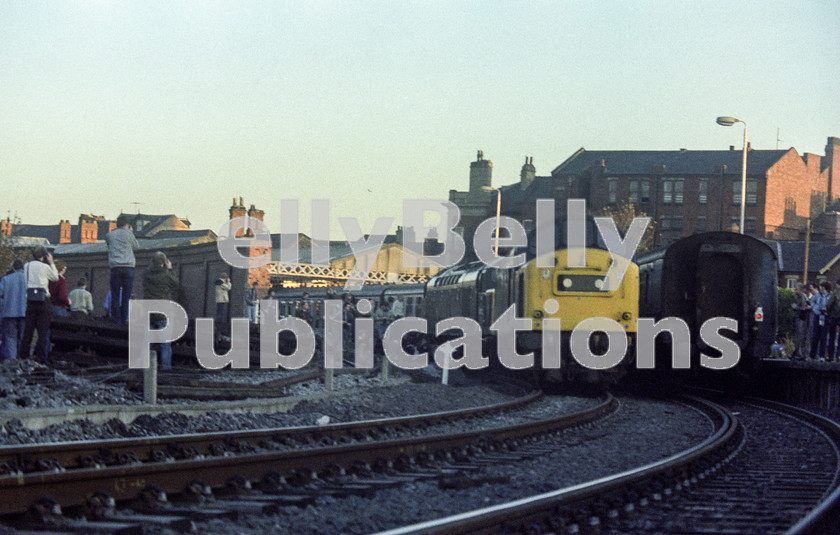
(708, 275)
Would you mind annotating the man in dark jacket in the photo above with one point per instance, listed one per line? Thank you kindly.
(832, 311)
(160, 283)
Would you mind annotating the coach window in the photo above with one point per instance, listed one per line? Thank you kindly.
(612, 190)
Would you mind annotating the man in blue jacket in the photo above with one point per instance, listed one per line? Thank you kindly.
(12, 309)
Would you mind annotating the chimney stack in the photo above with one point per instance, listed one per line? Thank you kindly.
(528, 173)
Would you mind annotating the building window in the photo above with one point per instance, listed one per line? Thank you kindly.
(672, 191)
(640, 191)
(612, 189)
(701, 224)
(703, 191)
(791, 282)
(749, 225)
(735, 224)
(752, 191)
(670, 229)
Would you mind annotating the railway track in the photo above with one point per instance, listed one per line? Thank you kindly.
(41, 480)
(189, 383)
(768, 468)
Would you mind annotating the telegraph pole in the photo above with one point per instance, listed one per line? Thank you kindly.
(807, 248)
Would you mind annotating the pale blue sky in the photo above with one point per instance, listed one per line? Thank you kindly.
(181, 106)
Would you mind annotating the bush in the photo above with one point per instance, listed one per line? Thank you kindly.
(787, 323)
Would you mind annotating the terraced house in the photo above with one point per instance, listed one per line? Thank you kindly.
(684, 191)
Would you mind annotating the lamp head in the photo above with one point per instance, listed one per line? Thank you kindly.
(728, 121)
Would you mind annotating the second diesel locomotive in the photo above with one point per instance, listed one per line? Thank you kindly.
(556, 300)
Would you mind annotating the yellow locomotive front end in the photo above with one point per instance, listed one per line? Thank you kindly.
(563, 296)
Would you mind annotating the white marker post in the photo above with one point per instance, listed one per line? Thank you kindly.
(150, 380)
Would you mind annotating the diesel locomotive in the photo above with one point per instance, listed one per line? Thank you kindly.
(556, 300)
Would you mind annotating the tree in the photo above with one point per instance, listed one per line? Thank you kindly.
(7, 254)
(623, 213)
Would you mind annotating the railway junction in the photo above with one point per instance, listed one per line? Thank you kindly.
(262, 451)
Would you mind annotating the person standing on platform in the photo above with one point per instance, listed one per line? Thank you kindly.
(81, 301)
(58, 292)
(802, 313)
(223, 286)
(818, 321)
(121, 245)
(39, 272)
(12, 309)
(159, 282)
(832, 320)
(252, 300)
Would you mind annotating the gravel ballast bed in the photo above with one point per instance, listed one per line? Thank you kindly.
(640, 432)
(363, 399)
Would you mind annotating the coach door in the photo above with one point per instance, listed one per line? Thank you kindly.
(720, 290)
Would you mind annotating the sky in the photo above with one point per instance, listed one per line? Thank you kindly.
(178, 107)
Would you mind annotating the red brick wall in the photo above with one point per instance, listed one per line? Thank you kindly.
(64, 230)
(88, 231)
(796, 182)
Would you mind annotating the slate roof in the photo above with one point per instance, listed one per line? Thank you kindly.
(186, 234)
(144, 244)
(791, 255)
(542, 187)
(679, 162)
(152, 222)
(48, 232)
(338, 249)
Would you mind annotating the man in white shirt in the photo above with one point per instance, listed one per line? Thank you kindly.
(39, 272)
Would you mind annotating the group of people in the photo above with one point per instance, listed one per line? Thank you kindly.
(385, 313)
(817, 312)
(30, 294)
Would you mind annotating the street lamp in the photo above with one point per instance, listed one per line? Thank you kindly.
(729, 121)
(498, 211)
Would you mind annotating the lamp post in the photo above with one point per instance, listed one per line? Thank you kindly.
(498, 211)
(729, 121)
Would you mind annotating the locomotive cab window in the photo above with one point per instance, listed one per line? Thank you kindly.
(567, 282)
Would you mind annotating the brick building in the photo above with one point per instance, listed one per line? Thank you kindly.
(684, 191)
(89, 229)
(92, 228)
